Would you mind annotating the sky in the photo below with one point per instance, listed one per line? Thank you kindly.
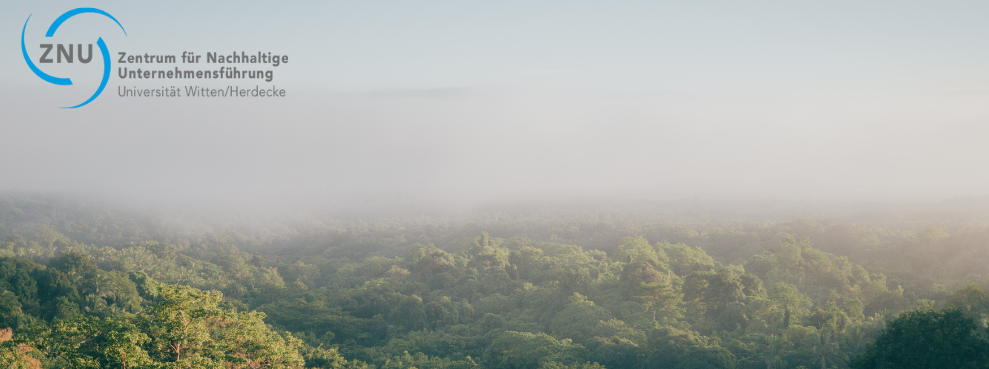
(467, 101)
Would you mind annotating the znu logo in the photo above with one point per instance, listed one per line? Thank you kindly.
(66, 52)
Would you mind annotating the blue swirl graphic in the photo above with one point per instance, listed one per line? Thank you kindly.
(51, 32)
(43, 75)
(69, 14)
(106, 73)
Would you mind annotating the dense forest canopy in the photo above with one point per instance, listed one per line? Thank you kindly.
(681, 284)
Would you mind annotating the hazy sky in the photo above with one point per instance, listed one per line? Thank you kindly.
(794, 100)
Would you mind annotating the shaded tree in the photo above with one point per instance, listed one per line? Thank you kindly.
(927, 339)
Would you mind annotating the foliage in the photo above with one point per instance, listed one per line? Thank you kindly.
(94, 286)
(928, 339)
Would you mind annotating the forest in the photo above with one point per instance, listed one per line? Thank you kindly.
(93, 284)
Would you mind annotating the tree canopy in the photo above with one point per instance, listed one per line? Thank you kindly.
(99, 287)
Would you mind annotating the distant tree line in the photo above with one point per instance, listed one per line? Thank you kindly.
(97, 287)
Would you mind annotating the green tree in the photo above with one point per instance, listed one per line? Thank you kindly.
(318, 357)
(790, 301)
(826, 350)
(556, 365)
(829, 317)
(189, 328)
(973, 301)
(518, 350)
(92, 342)
(776, 349)
(17, 354)
(579, 319)
(927, 339)
(661, 299)
(673, 348)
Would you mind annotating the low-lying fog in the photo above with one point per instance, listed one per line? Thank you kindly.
(472, 104)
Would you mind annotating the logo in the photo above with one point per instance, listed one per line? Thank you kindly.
(63, 52)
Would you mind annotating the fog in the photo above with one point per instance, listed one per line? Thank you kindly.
(806, 104)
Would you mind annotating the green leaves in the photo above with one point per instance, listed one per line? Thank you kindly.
(973, 301)
(826, 350)
(188, 327)
(517, 350)
(91, 342)
(927, 339)
(183, 328)
(674, 348)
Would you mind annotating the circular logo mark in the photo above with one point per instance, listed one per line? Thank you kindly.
(51, 32)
